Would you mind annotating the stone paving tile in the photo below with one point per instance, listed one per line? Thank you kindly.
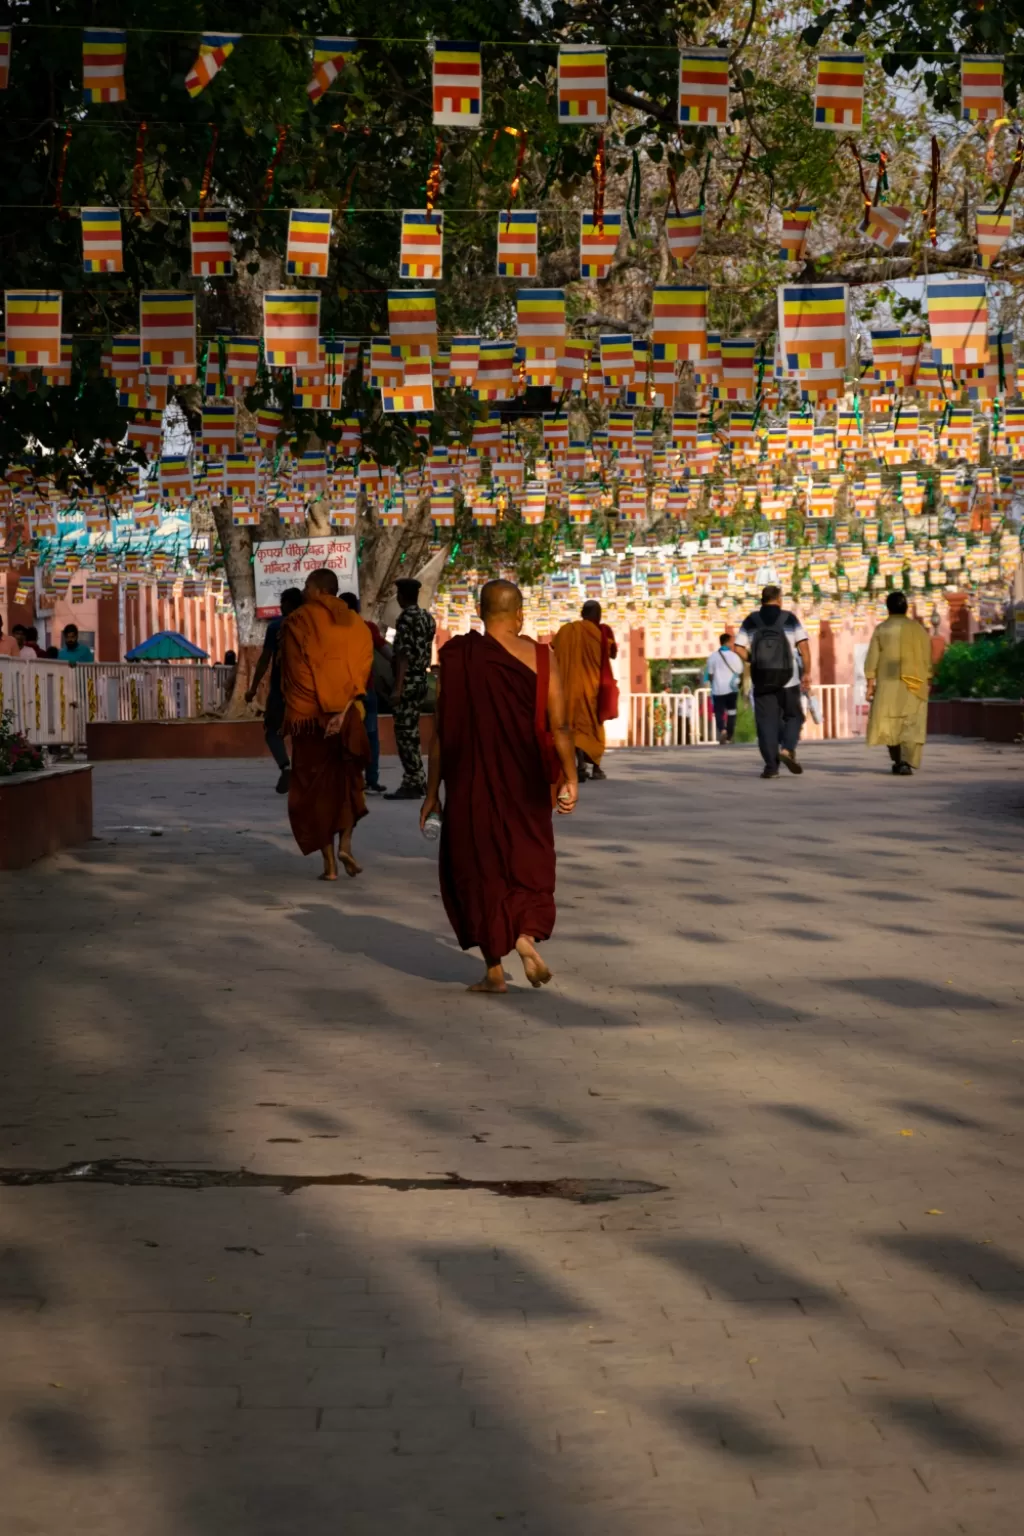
(818, 1322)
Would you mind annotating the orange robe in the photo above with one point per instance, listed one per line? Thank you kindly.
(326, 655)
(579, 648)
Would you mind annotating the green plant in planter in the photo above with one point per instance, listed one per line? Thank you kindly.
(17, 753)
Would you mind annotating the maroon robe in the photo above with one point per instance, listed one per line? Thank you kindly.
(497, 859)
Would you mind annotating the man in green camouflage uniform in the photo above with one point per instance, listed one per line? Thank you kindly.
(413, 644)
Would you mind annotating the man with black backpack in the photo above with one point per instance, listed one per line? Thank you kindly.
(776, 645)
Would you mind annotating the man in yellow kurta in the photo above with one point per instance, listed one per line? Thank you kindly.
(897, 669)
(579, 648)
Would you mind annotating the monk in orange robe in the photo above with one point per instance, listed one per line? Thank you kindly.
(326, 656)
(585, 650)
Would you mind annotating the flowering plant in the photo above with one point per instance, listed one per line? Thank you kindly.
(17, 753)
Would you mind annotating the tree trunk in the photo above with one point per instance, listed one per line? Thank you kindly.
(236, 544)
(387, 553)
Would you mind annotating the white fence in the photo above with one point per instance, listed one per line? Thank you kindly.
(110, 691)
(687, 719)
(41, 697)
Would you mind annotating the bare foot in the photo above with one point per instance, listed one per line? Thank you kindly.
(494, 980)
(349, 865)
(537, 973)
(328, 876)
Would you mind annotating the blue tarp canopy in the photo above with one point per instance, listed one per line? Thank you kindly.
(166, 645)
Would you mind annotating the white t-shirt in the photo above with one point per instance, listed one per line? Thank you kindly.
(724, 670)
(794, 631)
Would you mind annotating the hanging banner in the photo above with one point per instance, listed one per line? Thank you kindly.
(282, 563)
(329, 55)
(103, 51)
(885, 223)
(308, 251)
(704, 86)
(684, 233)
(101, 240)
(211, 244)
(599, 241)
(958, 321)
(215, 48)
(981, 88)
(517, 243)
(795, 224)
(421, 251)
(582, 84)
(457, 85)
(994, 229)
(839, 93)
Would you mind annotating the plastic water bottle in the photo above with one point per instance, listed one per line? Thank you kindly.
(432, 827)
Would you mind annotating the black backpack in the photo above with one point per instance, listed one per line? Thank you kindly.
(771, 657)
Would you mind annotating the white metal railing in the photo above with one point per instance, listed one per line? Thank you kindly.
(41, 697)
(687, 719)
(110, 691)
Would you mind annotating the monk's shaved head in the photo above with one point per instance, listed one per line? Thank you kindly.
(322, 581)
(591, 611)
(499, 600)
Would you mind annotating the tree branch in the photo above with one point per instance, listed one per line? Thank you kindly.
(627, 98)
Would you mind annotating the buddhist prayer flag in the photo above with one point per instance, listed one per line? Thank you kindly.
(887, 355)
(495, 380)
(994, 229)
(812, 327)
(422, 245)
(540, 314)
(416, 391)
(309, 242)
(737, 377)
(571, 367)
(218, 427)
(412, 321)
(464, 360)
(329, 55)
(517, 244)
(387, 365)
(242, 364)
(958, 321)
(839, 93)
(211, 244)
(795, 224)
(458, 85)
(582, 84)
(291, 328)
(885, 224)
(981, 88)
(103, 50)
(167, 329)
(101, 240)
(5, 57)
(616, 354)
(684, 233)
(176, 478)
(215, 49)
(599, 241)
(33, 328)
(679, 323)
(704, 85)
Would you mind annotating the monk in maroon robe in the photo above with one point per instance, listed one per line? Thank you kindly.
(497, 859)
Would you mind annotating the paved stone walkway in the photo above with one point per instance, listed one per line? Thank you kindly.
(796, 1006)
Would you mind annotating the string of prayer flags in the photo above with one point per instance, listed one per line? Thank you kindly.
(33, 329)
(5, 57)
(517, 243)
(839, 92)
(884, 223)
(540, 320)
(958, 321)
(582, 84)
(795, 224)
(212, 255)
(679, 323)
(457, 85)
(981, 88)
(737, 377)
(215, 48)
(329, 55)
(167, 334)
(421, 252)
(812, 329)
(599, 239)
(994, 229)
(103, 51)
(495, 380)
(415, 393)
(412, 321)
(291, 328)
(308, 251)
(704, 86)
(684, 233)
(101, 240)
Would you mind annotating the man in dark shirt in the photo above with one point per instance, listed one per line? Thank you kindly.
(370, 700)
(273, 716)
(776, 645)
(414, 640)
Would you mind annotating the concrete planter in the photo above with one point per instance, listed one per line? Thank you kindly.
(43, 812)
(984, 719)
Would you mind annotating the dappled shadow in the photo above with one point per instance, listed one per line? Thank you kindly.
(805, 933)
(495, 1283)
(810, 1119)
(743, 1275)
(938, 1115)
(977, 1266)
(905, 992)
(66, 1437)
(668, 1119)
(396, 946)
(947, 1428)
(729, 1430)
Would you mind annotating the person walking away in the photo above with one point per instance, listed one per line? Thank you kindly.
(775, 643)
(370, 700)
(9, 644)
(500, 720)
(723, 673)
(273, 715)
(585, 649)
(326, 654)
(897, 669)
(414, 639)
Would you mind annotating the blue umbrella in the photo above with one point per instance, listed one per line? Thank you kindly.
(166, 645)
